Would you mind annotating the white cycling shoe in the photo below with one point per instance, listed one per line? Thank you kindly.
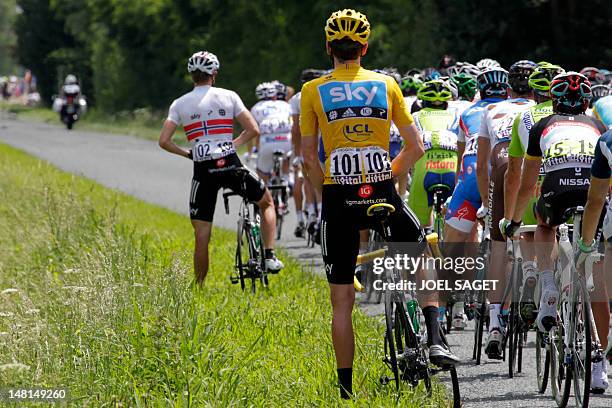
(274, 265)
(599, 377)
(547, 315)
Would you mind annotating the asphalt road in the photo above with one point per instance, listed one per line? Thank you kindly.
(140, 168)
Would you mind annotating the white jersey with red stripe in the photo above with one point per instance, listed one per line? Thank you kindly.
(207, 116)
(274, 120)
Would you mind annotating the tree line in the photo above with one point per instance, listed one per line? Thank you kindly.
(133, 54)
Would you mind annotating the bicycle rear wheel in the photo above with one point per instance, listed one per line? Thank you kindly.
(242, 259)
(390, 352)
(514, 333)
(560, 374)
(542, 361)
(581, 352)
(480, 320)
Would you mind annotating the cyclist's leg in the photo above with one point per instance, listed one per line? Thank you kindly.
(202, 201)
(461, 213)
(340, 246)
(406, 231)
(265, 161)
(417, 199)
(556, 198)
(298, 199)
(499, 267)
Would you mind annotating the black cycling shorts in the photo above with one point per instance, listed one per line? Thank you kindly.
(561, 190)
(212, 175)
(343, 215)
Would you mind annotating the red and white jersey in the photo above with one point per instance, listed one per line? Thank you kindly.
(207, 116)
(274, 120)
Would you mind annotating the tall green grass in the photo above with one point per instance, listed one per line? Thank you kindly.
(96, 296)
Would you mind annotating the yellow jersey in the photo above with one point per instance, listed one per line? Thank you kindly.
(353, 108)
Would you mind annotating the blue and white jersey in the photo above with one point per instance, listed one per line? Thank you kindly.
(602, 168)
(469, 125)
(602, 109)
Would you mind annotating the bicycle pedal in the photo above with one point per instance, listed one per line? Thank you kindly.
(234, 280)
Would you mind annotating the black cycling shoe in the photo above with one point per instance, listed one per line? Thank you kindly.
(493, 346)
(528, 307)
(317, 235)
(300, 230)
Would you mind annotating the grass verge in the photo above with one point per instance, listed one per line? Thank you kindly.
(95, 296)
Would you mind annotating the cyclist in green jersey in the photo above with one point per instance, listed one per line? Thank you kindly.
(539, 82)
(438, 126)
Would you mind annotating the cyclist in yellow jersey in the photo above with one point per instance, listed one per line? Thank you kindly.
(353, 108)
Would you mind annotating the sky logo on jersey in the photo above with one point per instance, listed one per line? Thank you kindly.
(360, 99)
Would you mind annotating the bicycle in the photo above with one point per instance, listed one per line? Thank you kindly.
(249, 258)
(481, 313)
(574, 341)
(280, 190)
(517, 328)
(440, 193)
(405, 352)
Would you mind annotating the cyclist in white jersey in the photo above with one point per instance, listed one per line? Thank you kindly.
(273, 115)
(207, 115)
(492, 161)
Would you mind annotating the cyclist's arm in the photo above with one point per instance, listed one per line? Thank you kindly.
(311, 162)
(165, 139)
(482, 168)
(598, 191)
(529, 178)
(531, 170)
(460, 151)
(413, 148)
(248, 123)
(513, 173)
(296, 136)
(411, 152)
(309, 128)
(600, 185)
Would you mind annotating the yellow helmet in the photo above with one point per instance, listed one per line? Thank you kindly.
(347, 23)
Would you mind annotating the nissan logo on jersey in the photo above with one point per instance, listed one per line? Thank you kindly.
(365, 191)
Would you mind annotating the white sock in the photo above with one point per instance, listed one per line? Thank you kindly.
(548, 279)
(494, 312)
(310, 209)
(300, 215)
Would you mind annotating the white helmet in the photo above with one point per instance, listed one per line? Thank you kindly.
(204, 61)
(281, 89)
(70, 80)
(487, 63)
(265, 90)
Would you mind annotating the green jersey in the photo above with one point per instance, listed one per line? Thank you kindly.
(518, 145)
(439, 163)
(523, 124)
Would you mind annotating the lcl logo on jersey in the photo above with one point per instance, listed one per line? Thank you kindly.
(357, 132)
(345, 100)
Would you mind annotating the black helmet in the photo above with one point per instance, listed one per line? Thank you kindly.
(518, 75)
